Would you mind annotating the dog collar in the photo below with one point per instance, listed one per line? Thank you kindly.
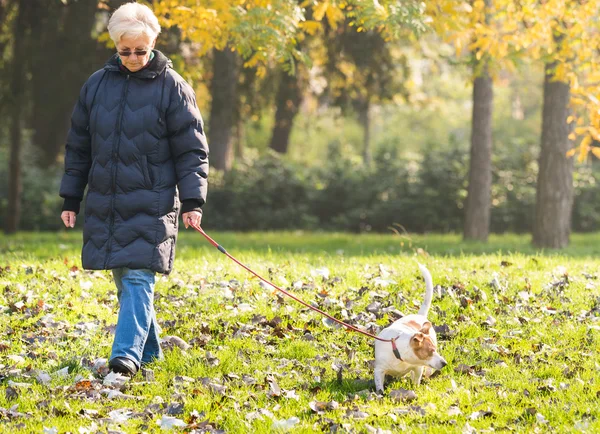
(395, 349)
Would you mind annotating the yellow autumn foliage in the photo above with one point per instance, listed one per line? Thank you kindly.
(264, 30)
(564, 33)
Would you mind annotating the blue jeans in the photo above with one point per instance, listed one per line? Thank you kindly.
(136, 335)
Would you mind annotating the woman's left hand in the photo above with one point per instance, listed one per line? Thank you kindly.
(192, 217)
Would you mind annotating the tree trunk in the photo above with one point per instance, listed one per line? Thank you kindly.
(222, 118)
(478, 202)
(477, 209)
(288, 100)
(4, 103)
(3, 10)
(239, 138)
(64, 38)
(365, 122)
(554, 196)
(15, 186)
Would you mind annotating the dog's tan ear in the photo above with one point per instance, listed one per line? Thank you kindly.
(417, 338)
(425, 328)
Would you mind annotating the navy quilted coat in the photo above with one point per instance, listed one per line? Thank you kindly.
(137, 141)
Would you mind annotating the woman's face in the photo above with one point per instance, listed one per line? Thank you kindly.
(127, 48)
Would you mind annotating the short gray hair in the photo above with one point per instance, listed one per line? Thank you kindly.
(132, 20)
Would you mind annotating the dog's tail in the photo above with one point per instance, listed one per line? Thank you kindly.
(428, 290)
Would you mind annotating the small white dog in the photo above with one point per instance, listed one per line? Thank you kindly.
(414, 347)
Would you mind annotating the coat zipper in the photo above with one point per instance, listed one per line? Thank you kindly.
(115, 158)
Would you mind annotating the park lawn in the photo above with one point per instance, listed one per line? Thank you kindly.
(519, 328)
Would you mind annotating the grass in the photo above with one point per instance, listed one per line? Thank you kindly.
(521, 336)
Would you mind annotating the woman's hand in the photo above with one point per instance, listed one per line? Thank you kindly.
(192, 217)
(68, 218)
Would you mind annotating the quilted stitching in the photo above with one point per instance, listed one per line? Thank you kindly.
(124, 128)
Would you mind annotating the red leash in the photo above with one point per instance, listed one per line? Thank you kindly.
(348, 326)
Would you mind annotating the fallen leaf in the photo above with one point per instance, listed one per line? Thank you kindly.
(328, 322)
(480, 414)
(175, 408)
(410, 409)
(18, 360)
(357, 414)
(464, 369)
(20, 385)
(378, 281)
(120, 415)
(372, 430)
(183, 379)
(148, 375)
(115, 379)
(101, 366)
(83, 385)
(403, 395)
(321, 407)
(214, 387)
(212, 360)
(285, 424)
(274, 389)
(443, 332)
(11, 393)
(43, 377)
(454, 410)
(93, 428)
(530, 411)
(88, 412)
(323, 272)
(177, 341)
(291, 394)
(374, 307)
(468, 429)
(61, 373)
(266, 286)
(490, 321)
(169, 422)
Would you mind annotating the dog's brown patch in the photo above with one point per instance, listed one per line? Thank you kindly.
(415, 325)
(422, 345)
(425, 328)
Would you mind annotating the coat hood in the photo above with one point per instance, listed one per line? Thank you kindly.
(155, 67)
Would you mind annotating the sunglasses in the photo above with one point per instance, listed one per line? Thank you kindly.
(129, 53)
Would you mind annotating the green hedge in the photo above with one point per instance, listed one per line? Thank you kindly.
(421, 193)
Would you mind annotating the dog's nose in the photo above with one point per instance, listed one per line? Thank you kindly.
(444, 363)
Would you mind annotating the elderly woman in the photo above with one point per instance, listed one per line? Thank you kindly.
(137, 141)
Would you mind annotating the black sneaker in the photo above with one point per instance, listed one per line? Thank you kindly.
(123, 365)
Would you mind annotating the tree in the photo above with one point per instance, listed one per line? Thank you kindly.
(255, 98)
(290, 90)
(524, 30)
(16, 103)
(287, 105)
(567, 41)
(363, 69)
(253, 31)
(474, 25)
(478, 203)
(222, 113)
(62, 32)
(266, 31)
(6, 32)
(554, 196)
